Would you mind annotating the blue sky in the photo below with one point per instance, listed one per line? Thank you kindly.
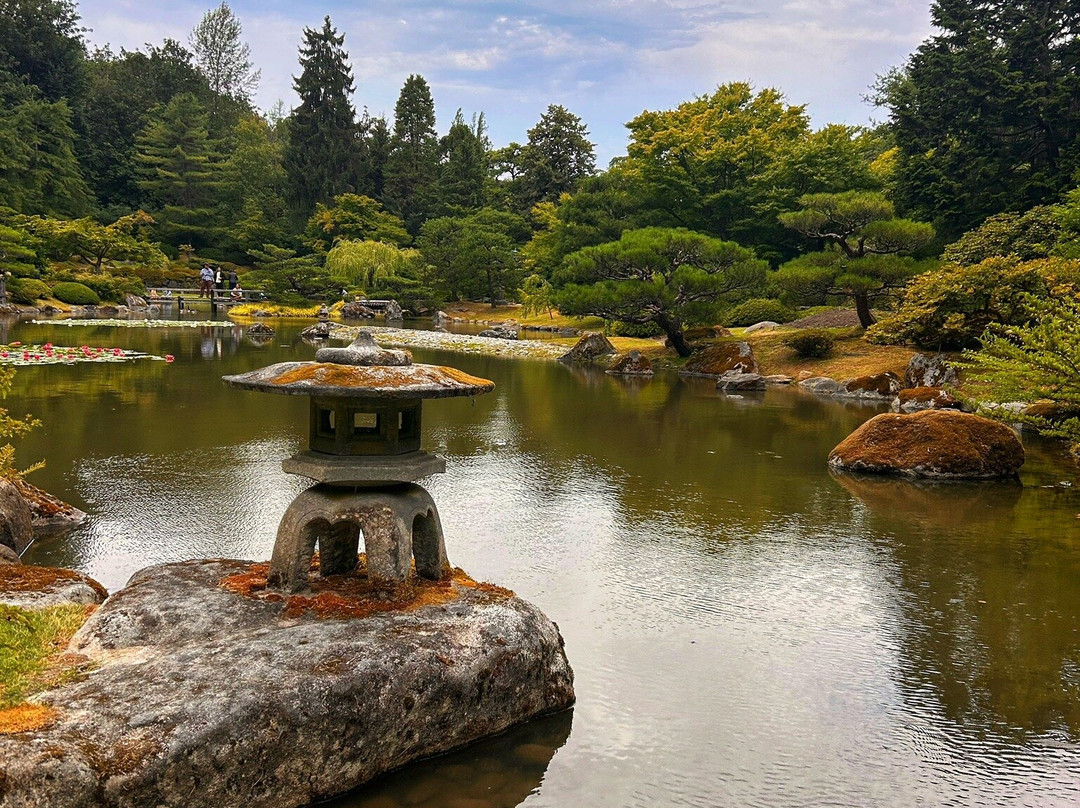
(606, 60)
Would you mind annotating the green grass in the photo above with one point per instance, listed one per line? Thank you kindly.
(28, 642)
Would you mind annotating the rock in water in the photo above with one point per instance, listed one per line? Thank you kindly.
(209, 692)
(592, 346)
(318, 331)
(931, 443)
(925, 398)
(260, 330)
(135, 302)
(356, 310)
(734, 381)
(393, 311)
(728, 357)
(930, 371)
(501, 332)
(631, 364)
(16, 527)
(882, 386)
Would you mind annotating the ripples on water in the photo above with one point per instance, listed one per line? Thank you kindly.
(746, 629)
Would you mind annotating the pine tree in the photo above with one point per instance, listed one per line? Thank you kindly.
(320, 157)
(180, 169)
(413, 167)
(464, 167)
(374, 146)
(557, 156)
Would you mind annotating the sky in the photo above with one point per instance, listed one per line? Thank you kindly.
(605, 60)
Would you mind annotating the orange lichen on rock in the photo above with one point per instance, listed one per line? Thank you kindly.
(354, 595)
(26, 718)
(26, 578)
(377, 376)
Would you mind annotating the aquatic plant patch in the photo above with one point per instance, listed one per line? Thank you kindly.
(16, 353)
(139, 323)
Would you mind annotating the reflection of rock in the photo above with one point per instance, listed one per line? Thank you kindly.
(931, 443)
(631, 364)
(501, 332)
(356, 310)
(717, 360)
(204, 682)
(512, 767)
(16, 529)
(925, 398)
(883, 386)
(48, 514)
(930, 371)
(733, 381)
(931, 502)
(29, 587)
(592, 346)
(393, 311)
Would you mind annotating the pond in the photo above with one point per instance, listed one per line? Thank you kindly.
(745, 627)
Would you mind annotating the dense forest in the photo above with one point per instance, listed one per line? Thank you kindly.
(121, 169)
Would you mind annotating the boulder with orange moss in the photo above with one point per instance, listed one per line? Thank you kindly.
(931, 443)
(210, 690)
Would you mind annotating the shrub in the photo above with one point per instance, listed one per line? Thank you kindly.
(76, 294)
(950, 307)
(27, 290)
(758, 309)
(641, 330)
(811, 343)
(112, 287)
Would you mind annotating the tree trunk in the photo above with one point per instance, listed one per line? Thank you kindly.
(674, 331)
(862, 307)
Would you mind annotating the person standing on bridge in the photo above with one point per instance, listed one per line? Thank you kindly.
(206, 281)
(234, 279)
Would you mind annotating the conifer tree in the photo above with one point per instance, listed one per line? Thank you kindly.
(179, 165)
(464, 166)
(413, 167)
(320, 157)
(557, 156)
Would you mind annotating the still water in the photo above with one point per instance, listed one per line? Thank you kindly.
(746, 629)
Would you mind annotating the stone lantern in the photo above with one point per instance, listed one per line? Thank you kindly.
(364, 454)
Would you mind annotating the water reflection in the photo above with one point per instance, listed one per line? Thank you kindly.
(498, 773)
(745, 629)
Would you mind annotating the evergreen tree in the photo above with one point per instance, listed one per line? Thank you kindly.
(320, 157)
(464, 167)
(557, 156)
(413, 167)
(41, 42)
(253, 182)
(180, 168)
(985, 113)
(375, 143)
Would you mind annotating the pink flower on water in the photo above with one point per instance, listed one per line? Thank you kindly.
(170, 358)
(4, 355)
(117, 352)
(47, 346)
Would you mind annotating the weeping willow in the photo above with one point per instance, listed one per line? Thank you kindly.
(368, 264)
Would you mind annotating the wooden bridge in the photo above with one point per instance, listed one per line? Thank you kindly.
(188, 298)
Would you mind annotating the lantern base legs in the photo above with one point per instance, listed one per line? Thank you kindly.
(398, 523)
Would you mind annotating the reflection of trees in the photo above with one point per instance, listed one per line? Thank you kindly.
(500, 772)
(990, 603)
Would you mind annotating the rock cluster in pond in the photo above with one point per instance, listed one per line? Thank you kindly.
(261, 330)
(925, 398)
(932, 443)
(208, 690)
(503, 331)
(727, 357)
(592, 346)
(631, 364)
(321, 330)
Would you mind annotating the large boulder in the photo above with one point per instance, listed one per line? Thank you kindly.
(30, 587)
(931, 443)
(440, 318)
(208, 690)
(135, 302)
(16, 526)
(879, 386)
(393, 311)
(592, 346)
(631, 364)
(821, 385)
(321, 330)
(355, 310)
(736, 382)
(49, 515)
(8, 556)
(925, 398)
(720, 359)
(930, 371)
(260, 330)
